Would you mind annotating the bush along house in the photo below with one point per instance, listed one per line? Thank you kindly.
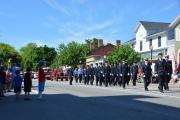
(98, 55)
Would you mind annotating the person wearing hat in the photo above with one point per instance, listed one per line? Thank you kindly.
(160, 69)
(70, 73)
(124, 73)
(168, 72)
(96, 73)
(134, 72)
(92, 74)
(147, 73)
(101, 74)
(41, 78)
(107, 74)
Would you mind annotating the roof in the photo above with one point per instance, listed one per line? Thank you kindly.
(156, 34)
(103, 50)
(161, 26)
(175, 22)
(131, 40)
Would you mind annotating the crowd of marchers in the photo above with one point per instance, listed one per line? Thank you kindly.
(121, 74)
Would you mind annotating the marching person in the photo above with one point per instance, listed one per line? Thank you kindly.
(101, 75)
(147, 74)
(124, 73)
(107, 74)
(92, 74)
(160, 67)
(113, 74)
(87, 75)
(134, 72)
(129, 74)
(97, 70)
(80, 73)
(76, 76)
(118, 71)
(70, 73)
(168, 71)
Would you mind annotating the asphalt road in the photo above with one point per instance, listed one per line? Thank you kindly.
(79, 102)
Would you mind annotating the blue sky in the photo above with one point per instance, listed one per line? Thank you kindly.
(53, 22)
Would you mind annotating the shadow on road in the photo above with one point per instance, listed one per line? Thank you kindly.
(69, 107)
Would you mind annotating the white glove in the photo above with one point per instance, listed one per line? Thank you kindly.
(128, 74)
(144, 76)
(103, 75)
(120, 74)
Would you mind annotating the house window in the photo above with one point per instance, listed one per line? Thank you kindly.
(159, 41)
(141, 47)
(150, 43)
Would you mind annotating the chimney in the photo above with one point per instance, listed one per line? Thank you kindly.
(100, 43)
(118, 42)
(92, 46)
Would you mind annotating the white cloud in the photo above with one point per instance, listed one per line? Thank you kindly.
(55, 5)
(170, 6)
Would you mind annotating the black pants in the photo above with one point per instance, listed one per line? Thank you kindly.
(134, 78)
(80, 78)
(76, 78)
(101, 80)
(112, 79)
(116, 80)
(70, 80)
(147, 81)
(107, 80)
(166, 81)
(161, 79)
(87, 79)
(124, 80)
(97, 80)
(92, 79)
(128, 79)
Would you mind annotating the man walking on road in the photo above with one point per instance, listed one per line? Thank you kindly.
(160, 67)
(147, 74)
(168, 72)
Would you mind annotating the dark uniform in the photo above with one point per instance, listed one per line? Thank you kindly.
(147, 74)
(87, 75)
(101, 75)
(129, 75)
(113, 74)
(124, 72)
(160, 67)
(70, 73)
(134, 72)
(168, 73)
(107, 75)
(92, 73)
(118, 79)
(96, 73)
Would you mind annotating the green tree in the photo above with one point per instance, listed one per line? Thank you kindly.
(88, 41)
(72, 54)
(32, 54)
(29, 55)
(9, 54)
(123, 52)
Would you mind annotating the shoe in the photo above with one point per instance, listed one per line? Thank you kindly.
(146, 89)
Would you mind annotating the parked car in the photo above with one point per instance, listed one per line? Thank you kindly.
(47, 71)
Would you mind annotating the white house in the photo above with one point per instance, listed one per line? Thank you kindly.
(155, 37)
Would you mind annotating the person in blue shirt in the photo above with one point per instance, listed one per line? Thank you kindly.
(14, 69)
(76, 74)
(80, 73)
(17, 84)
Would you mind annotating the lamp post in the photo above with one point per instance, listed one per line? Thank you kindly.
(151, 49)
